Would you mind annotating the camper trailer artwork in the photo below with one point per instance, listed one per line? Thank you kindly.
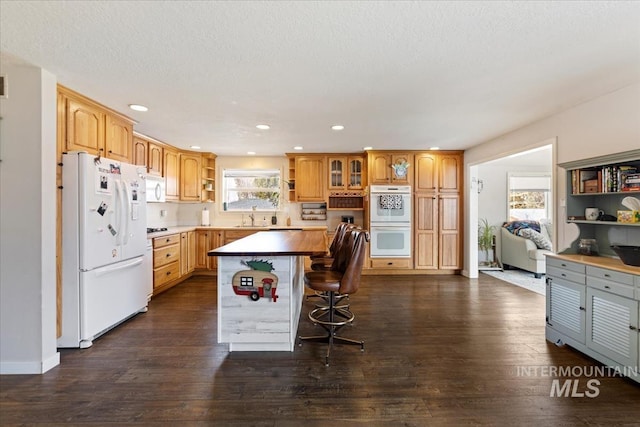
(256, 282)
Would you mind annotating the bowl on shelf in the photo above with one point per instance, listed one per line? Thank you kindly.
(630, 255)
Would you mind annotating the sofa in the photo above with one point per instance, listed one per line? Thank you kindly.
(524, 244)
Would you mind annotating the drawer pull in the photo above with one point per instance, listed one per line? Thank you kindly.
(607, 287)
(563, 275)
(168, 255)
(633, 328)
(389, 263)
(582, 309)
(606, 275)
(168, 273)
(563, 264)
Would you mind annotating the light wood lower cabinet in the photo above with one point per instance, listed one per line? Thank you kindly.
(207, 240)
(166, 262)
(437, 232)
(187, 252)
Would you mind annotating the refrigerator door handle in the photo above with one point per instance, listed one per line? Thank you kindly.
(126, 212)
(118, 210)
(120, 266)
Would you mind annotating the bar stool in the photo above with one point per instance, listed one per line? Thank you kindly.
(324, 262)
(336, 283)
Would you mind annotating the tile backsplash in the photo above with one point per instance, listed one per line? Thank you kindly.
(190, 214)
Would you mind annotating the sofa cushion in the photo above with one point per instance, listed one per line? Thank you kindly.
(514, 226)
(537, 254)
(538, 238)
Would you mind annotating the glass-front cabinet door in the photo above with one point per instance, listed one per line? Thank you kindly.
(355, 172)
(337, 172)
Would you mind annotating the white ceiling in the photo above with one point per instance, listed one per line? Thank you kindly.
(396, 74)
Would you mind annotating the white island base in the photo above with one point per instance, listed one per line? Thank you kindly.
(249, 318)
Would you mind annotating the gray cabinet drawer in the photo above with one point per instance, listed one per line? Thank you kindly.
(567, 265)
(612, 287)
(566, 274)
(606, 274)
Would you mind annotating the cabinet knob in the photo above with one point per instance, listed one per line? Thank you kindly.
(168, 255)
(582, 308)
(168, 273)
(633, 328)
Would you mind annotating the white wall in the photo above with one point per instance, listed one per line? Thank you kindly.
(28, 221)
(492, 201)
(605, 125)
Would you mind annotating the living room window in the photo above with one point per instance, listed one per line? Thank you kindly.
(246, 189)
(529, 196)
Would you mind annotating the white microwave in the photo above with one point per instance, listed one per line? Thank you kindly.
(156, 189)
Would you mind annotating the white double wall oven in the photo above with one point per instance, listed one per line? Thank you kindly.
(390, 221)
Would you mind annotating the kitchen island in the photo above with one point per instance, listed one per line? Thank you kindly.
(261, 288)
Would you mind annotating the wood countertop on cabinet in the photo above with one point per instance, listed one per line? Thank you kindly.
(599, 261)
(276, 243)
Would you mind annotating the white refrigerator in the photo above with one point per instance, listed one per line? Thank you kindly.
(104, 240)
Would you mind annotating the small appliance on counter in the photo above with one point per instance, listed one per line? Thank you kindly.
(347, 219)
(156, 229)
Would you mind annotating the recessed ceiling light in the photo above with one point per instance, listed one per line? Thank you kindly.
(195, 147)
(434, 148)
(263, 127)
(251, 153)
(297, 148)
(138, 107)
(337, 127)
(367, 148)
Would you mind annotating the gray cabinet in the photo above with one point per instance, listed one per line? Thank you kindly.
(566, 296)
(595, 310)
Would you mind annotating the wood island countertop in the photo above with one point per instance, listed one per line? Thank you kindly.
(276, 243)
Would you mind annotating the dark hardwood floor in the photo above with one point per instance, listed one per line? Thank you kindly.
(440, 350)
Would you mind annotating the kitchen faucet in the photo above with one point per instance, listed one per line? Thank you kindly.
(253, 216)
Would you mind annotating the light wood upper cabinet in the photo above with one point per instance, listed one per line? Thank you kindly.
(84, 127)
(190, 177)
(310, 178)
(426, 172)
(171, 167)
(441, 172)
(450, 173)
(119, 139)
(140, 149)
(155, 160)
(381, 168)
(346, 172)
(90, 127)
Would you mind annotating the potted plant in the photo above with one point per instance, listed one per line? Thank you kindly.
(485, 240)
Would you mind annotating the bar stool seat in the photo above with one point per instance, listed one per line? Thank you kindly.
(333, 284)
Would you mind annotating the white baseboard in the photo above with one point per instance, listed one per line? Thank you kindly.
(24, 368)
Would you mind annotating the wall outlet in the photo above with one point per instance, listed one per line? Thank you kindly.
(163, 213)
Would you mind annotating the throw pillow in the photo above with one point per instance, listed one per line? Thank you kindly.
(537, 238)
(514, 226)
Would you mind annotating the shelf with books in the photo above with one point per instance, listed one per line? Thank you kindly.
(606, 179)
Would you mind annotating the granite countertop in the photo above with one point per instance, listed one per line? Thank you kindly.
(180, 229)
